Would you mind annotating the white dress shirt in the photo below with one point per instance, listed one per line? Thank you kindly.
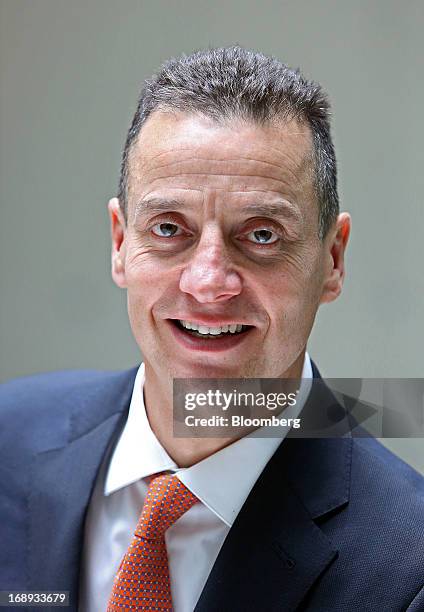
(221, 482)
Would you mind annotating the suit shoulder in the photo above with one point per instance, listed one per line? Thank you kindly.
(388, 495)
(378, 532)
(34, 409)
(382, 465)
(50, 380)
(41, 389)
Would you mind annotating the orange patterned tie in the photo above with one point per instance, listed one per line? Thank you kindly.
(142, 581)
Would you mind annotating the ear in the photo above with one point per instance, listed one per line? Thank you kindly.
(118, 233)
(335, 245)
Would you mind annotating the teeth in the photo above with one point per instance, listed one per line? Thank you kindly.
(213, 331)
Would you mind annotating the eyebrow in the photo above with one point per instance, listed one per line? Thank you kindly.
(282, 209)
(153, 205)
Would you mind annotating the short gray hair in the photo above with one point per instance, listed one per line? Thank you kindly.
(229, 83)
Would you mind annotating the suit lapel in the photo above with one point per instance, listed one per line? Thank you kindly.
(275, 551)
(62, 480)
(272, 555)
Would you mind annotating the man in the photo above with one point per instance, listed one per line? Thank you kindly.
(226, 235)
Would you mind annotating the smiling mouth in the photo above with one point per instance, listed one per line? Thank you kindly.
(209, 332)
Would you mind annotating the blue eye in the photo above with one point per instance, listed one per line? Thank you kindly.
(262, 236)
(166, 230)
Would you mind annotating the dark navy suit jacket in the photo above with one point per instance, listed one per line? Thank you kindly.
(331, 524)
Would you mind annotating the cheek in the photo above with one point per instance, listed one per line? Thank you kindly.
(305, 275)
(152, 287)
(142, 285)
(140, 266)
(292, 296)
(148, 265)
(143, 271)
(294, 284)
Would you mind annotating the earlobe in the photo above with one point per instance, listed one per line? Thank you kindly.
(118, 271)
(336, 245)
(118, 234)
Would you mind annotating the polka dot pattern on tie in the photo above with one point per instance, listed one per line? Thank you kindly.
(142, 581)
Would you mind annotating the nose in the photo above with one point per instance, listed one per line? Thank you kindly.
(209, 276)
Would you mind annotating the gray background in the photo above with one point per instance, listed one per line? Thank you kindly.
(70, 73)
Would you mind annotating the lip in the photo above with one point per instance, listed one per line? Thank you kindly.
(208, 344)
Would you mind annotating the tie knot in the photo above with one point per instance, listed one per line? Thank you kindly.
(167, 499)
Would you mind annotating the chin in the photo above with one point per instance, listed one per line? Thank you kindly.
(207, 370)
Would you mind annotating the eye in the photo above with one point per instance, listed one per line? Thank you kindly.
(263, 236)
(166, 230)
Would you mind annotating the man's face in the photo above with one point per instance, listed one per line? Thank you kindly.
(222, 230)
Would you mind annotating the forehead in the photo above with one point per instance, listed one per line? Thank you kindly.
(194, 152)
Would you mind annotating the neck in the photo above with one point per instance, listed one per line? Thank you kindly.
(158, 400)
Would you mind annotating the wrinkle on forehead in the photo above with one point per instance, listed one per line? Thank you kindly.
(164, 134)
(186, 152)
(240, 167)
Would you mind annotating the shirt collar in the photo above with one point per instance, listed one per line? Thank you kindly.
(222, 481)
